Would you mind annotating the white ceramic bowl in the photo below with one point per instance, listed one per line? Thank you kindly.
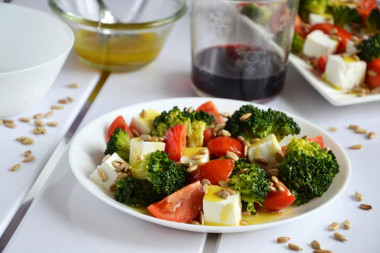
(33, 47)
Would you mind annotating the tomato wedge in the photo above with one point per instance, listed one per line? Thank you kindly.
(322, 62)
(298, 28)
(365, 7)
(180, 206)
(211, 109)
(341, 32)
(219, 146)
(373, 73)
(317, 139)
(119, 122)
(214, 170)
(207, 136)
(278, 200)
(175, 141)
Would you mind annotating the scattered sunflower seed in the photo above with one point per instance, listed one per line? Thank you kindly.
(347, 225)
(365, 206)
(49, 114)
(333, 129)
(39, 123)
(15, 167)
(27, 153)
(315, 244)
(56, 107)
(358, 196)
(38, 116)
(206, 181)
(70, 99)
(357, 146)
(39, 130)
(73, 85)
(52, 123)
(192, 168)
(63, 101)
(353, 127)
(10, 125)
(361, 131)
(371, 135)
(102, 175)
(232, 156)
(29, 159)
(244, 223)
(293, 246)
(340, 237)
(333, 226)
(24, 120)
(322, 251)
(245, 116)
(283, 239)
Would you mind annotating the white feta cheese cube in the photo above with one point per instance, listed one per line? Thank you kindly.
(219, 211)
(317, 43)
(144, 122)
(318, 18)
(139, 148)
(344, 72)
(267, 148)
(194, 155)
(109, 172)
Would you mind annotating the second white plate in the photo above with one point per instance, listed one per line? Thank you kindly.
(335, 97)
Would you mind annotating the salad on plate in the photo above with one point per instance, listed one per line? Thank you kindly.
(202, 167)
(340, 39)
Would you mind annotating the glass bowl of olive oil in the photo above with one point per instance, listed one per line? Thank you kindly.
(130, 40)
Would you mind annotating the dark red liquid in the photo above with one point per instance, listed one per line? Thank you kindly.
(238, 72)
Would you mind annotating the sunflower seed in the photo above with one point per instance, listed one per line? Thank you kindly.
(192, 168)
(15, 167)
(29, 159)
(361, 131)
(106, 158)
(372, 73)
(70, 99)
(27, 153)
(146, 137)
(357, 146)
(56, 107)
(206, 181)
(24, 120)
(245, 116)
(254, 140)
(283, 239)
(190, 109)
(205, 188)
(38, 116)
(202, 218)
(293, 246)
(232, 156)
(223, 194)
(222, 183)
(246, 213)
(52, 123)
(333, 226)
(347, 225)
(9, 125)
(244, 223)
(333, 129)
(39, 123)
(102, 175)
(198, 156)
(353, 127)
(365, 206)
(371, 135)
(49, 114)
(274, 179)
(63, 101)
(39, 130)
(315, 244)
(340, 237)
(73, 85)
(322, 251)
(358, 196)
(27, 141)
(224, 132)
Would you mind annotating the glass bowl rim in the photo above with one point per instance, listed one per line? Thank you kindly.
(118, 26)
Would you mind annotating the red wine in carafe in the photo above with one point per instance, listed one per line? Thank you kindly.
(238, 72)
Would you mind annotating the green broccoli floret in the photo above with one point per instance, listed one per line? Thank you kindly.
(259, 13)
(373, 20)
(344, 14)
(307, 170)
(195, 122)
(136, 192)
(251, 181)
(261, 123)
(120, 143)
(297, 44)
(166, 176)
(370, 48)
(311, 6)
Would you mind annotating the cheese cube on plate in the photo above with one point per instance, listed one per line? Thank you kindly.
(220, 211)
(344, 72)
(194, 155)
(267, 148)
(350, 47)
(139, 148)
(105, 174)
(317, 43)
(144, 122)
(318, 18)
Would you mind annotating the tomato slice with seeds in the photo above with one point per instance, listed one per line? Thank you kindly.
(119, 122)
(219, 146)
(180, 206)
(175, 141)
(278, 200)
(214, 171)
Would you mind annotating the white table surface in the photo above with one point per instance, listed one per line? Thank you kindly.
(64, 217)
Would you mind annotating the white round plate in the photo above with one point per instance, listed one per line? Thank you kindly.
(88, 145)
